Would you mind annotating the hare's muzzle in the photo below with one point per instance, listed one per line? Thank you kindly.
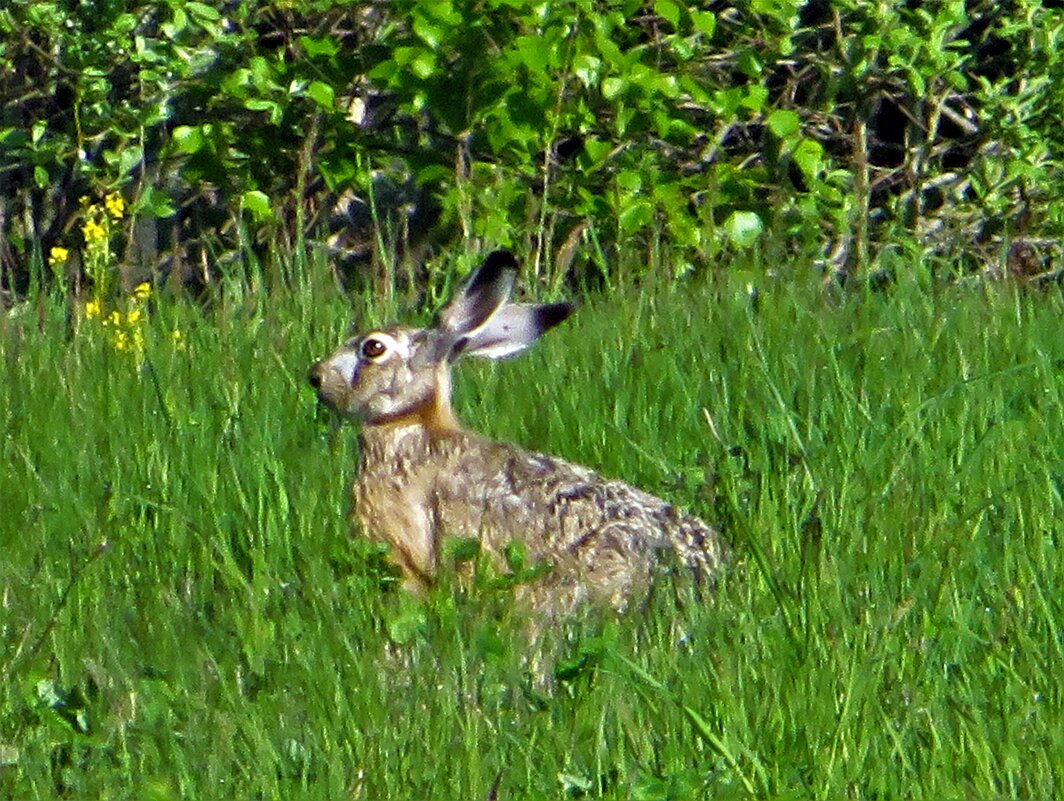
(330, 383)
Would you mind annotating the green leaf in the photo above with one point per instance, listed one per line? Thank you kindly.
(636, 216)
(693, 88)
(597, 150)
(754, 97)
(749, 64)
(265, 76)
(809, 156)
(258, 203)
(125, 23)
(916, 81)
(429, 30)
(322, 94)
(783, 123)
(130, 159)
(238, 83)
(705, 22)
(743, 228)
(587, 67)
(314, 46)
(651, 81)
(188, 139)
(607, 48)
(156, 202)
(669, 11)
(13, 137)
(202, 11)
(258, 104)
(433, 173)
(418, 60)
(441, 10)
(176, 26)
(957, 80)
(725, 102)
(41, 177)
(386, 71)
(613, 86)
(534, 53)
(630, 181)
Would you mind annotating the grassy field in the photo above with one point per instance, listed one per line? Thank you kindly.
(185, 616)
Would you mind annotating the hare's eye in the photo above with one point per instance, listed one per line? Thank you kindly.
(373, 348)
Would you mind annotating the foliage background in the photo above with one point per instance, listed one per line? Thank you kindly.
(181, 606)
(588, 135)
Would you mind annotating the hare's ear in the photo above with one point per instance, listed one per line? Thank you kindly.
(485, 291)
(511, 329)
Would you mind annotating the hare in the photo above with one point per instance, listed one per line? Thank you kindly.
(422, 478)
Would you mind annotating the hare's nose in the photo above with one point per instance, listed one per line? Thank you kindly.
(314, 377)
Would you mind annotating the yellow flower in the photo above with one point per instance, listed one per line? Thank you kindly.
(92, 309)
(114, 318)
(115, 205)
(93, 231)
(142, 291)
(58, 256)
(134, 316)
(128, 341)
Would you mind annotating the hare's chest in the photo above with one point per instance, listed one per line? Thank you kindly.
(391, 508)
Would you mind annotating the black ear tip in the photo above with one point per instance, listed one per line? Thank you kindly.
(500, 260)
(491, 271)
(552, 314)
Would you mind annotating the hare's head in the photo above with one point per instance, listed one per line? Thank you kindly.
(398, 373)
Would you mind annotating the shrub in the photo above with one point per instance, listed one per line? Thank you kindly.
(623, 131)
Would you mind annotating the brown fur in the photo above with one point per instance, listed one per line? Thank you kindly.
(422, 478)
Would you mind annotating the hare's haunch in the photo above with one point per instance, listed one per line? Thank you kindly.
(422, 478)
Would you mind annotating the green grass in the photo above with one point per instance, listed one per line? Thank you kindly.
(183, 614)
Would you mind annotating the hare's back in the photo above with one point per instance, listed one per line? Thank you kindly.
(569, 513)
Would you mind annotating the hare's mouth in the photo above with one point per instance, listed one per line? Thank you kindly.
(314, 377)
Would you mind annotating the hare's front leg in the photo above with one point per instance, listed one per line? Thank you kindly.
(404, 521)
